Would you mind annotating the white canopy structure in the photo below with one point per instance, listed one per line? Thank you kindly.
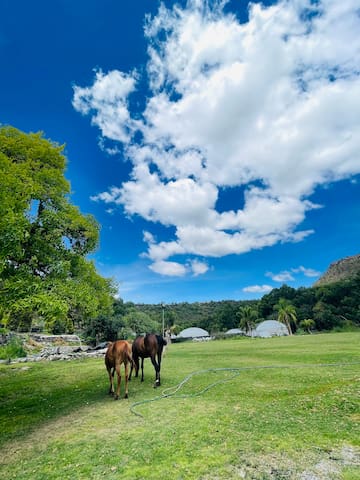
(194, 332)
(234, 331)
(270, 328)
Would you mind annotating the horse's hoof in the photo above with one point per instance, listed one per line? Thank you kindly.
(116, 397)
(126, 395)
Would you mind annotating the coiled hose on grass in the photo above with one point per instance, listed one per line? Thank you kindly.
(173, 391)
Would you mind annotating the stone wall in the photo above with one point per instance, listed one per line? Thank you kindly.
(56, 347)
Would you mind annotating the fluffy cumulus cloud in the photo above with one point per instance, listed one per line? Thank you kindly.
(106, 100)
(282, 277)
(269, 107)
(289, 276)
(257, 289)
(308, 272)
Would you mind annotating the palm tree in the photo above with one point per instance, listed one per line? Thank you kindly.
(286, 313)
(248, 316)
(307, 324)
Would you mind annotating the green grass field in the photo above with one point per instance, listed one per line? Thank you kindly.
(285, 411)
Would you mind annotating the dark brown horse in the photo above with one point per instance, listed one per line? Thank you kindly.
(117, 353)
(144, 347)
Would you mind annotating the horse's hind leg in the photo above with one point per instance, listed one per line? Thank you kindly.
(142, 369)
(131, 369)
(118, 381)
(134, 364)
(157, 372)
(126, 380)
(111, 379)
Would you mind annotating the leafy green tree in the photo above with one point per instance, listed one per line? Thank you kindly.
(104, 328)
(286, 313)
(175, 329)
(44, 239)
(247, 317)
(268, 301)
(304, 302)
(325, 317)
(307, 324)
(225, 315)
(139, 322)
(170, 317)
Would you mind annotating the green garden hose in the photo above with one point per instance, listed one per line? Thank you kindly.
(172, 391)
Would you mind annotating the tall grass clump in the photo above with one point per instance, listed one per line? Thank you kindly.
(13, 349)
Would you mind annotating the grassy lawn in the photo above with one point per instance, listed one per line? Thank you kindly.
(293, 418)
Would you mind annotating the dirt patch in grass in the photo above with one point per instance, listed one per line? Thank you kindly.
(318, 465)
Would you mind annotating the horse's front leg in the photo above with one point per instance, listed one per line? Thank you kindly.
(159, 364)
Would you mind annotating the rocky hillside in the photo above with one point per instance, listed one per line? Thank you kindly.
(341, 270)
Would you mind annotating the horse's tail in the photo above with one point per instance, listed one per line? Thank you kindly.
(129, 354)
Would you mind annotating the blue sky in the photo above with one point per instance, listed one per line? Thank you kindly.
(216, 143)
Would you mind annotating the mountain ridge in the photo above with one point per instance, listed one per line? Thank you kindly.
(342, 269)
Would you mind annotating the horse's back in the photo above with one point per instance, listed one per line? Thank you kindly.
(139, 348)
(150, 342)
(148, 345)
(118, 351)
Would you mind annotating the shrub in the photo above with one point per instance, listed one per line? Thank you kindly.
(13, 349)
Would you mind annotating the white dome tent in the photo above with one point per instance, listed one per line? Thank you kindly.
(270, 328)
(193, 332)
(235, 331)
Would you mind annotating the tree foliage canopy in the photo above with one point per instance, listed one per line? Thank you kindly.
(44, 276)
(286, 313)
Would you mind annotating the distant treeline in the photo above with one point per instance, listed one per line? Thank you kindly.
(329, 307)
(335, 305)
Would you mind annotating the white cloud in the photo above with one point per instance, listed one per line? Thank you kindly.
(198, 267)
(176, 202)
(308, 272)
(112, 196)
(257, 289)
(280, 277)
(173, 269)
(271, 105)
(106, 101)
(288, 276)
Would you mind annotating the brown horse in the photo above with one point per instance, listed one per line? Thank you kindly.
(117, 353)
(144, 347)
